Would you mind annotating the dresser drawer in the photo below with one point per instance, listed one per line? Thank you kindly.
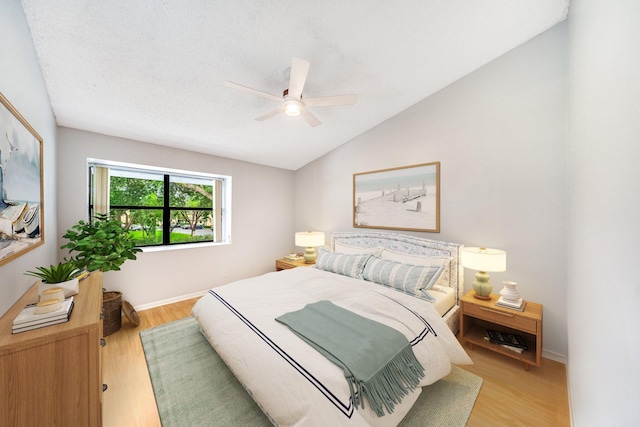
(513, 320)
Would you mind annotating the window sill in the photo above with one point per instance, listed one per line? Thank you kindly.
(183, 246)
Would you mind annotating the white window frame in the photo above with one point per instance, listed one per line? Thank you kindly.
(224, 201)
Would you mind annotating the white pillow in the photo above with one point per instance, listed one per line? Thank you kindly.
(419, 260)
(351, 250)
(444, 278)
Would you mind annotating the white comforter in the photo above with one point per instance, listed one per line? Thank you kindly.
(293, 383)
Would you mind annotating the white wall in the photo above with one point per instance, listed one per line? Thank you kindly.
(262, 217)
(604, 213)
(22, 84)
(500, 135)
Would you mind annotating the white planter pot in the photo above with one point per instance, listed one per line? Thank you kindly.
(70, 287)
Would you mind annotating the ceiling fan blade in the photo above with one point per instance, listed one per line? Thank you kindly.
(330, 101)
(310, 118)
(270, 114)
(299, 71)
(253, 91)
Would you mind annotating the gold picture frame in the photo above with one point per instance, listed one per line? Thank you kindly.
(21, 185)
(405, 198)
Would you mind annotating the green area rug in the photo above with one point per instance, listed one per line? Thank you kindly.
(193, 386)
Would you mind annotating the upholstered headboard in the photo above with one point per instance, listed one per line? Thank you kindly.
(409, 245)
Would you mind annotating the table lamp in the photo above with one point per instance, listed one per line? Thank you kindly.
(310, 239)
(483, 260)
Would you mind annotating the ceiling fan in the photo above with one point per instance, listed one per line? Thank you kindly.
(291, 102)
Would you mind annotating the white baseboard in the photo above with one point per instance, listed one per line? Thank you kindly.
(569, 396)
(169, 300)
(554, 356)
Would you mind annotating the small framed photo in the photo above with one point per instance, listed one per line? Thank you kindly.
(404, 198)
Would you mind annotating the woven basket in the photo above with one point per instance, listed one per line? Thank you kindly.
(130, 313)
(112, 310)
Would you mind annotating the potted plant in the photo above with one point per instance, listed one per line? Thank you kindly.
(104, 245)
(64, 275)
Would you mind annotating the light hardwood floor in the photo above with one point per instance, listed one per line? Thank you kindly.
(510, 396)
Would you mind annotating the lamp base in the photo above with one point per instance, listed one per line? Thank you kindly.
(481, 286)
(310, 256)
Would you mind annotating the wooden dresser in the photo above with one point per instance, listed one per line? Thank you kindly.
(53, 375)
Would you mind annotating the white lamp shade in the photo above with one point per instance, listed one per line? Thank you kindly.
(483, 259)
(309, 239)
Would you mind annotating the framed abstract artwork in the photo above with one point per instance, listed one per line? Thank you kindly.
(21, 185)
(404, 198)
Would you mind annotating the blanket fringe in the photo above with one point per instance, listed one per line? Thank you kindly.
(389, 385)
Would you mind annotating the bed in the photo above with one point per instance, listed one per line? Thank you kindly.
(291, 381)
(449, 287)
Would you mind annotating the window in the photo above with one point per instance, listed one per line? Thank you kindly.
(162, 207)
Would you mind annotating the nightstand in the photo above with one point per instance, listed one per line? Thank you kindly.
(285, 264)
(477, 315)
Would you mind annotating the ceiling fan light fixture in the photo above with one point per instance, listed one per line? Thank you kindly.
(291, 102)
(292, 107)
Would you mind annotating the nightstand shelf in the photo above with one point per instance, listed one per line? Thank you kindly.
(478, 315)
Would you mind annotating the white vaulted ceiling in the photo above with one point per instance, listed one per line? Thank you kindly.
(155, 71)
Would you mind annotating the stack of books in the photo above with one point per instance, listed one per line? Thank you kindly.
(511, 341)
(514, 304)
(28, 319)
(82, 275)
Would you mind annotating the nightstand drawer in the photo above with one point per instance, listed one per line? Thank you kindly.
(283, 265)
(286, 264)
(510, 320)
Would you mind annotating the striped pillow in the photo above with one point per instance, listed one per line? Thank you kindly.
(345, 264)
(411, 279)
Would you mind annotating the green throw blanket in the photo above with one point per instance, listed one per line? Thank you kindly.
(378, 361)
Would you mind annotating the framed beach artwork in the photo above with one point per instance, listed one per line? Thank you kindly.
(21, 189)
(405, 198)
